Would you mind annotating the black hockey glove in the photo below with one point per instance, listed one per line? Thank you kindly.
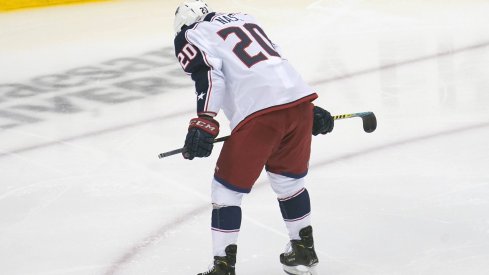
(200, 137)
(323, 121)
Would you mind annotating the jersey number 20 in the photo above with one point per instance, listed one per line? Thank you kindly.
(245, 41)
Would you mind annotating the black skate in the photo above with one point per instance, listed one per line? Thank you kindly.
(224, 265)
(300, 259)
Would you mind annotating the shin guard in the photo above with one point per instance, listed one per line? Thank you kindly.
(226, 222)
(296, 210)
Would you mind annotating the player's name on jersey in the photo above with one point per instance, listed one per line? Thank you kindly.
(84, 88)
(227, 18)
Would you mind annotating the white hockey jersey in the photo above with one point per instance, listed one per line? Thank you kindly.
(237, 68)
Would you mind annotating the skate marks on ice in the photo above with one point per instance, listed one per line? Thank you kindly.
(408, 141)
(147, 242)
(153, 238)
(172, 225)
(23, 104)
(67, 140)
(478, 46)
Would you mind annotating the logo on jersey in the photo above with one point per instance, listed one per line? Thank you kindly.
(201, 96)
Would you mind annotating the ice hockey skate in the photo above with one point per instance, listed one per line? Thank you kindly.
(224, 265)
(300, 257)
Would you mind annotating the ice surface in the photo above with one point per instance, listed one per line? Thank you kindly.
(86, 106)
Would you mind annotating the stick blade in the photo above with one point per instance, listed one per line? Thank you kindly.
(369, 122)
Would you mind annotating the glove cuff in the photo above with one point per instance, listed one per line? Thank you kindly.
(206, 124)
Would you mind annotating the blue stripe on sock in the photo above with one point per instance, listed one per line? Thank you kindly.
(226, 218)
(296, 207)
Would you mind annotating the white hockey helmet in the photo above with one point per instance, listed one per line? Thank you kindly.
(189, 12)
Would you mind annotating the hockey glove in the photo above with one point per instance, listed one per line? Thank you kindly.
(200, 137)
(323, 121)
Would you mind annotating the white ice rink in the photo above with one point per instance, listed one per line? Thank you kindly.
(90, 94)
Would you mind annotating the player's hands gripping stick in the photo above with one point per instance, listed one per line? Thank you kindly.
(200, 137)
(323, 121)
(368, 118)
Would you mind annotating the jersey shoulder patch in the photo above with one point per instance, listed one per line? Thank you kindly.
(189, 56)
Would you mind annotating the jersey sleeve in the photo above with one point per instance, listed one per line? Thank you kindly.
(205, 71)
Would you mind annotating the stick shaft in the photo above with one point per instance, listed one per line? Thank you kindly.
(362, 114)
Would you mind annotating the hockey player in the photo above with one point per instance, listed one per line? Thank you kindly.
(236, 68)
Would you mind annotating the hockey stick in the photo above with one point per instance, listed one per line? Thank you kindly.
(368, 118)
(178, 151)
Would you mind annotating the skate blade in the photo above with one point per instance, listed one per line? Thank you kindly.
(300, 270)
